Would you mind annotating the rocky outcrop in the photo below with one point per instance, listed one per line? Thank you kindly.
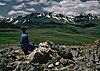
(51, 57)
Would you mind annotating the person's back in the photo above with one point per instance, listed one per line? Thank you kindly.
(24, 41)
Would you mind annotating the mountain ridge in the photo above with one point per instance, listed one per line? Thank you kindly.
(37, 20)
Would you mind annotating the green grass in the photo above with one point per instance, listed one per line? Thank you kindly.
(57, 35)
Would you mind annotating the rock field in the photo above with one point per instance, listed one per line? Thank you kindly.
(51, 57)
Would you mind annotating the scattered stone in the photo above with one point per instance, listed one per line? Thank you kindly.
(64, 61)
(63, 68)
(51, 66)
(65, 53)
(57, 63)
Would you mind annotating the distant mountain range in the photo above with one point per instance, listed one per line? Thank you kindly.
(9, 8)
(47, 20)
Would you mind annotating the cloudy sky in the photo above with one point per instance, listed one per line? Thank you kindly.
(9, 8)
(76, 7)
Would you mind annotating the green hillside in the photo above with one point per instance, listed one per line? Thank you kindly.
(68, 36)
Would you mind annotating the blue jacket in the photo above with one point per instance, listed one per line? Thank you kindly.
(24, 41)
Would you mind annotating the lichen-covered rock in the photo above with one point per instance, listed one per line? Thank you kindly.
(65, 53)
(40, 55)
(41, 58)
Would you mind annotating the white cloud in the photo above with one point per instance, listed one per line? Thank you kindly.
(2, 3)
(93, 12)
(7, 0)
(52, 9)
(32, 3)
(23, 0)
(76, 7)
(31, 9)
(23, 12)
(42, 0)
(19, 6)
(19, 0)
(69, 3)
(1, 17)
(72, 14)
(54, 3)
(66, 7)
(13, 12)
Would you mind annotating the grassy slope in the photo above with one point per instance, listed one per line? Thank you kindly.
(69, 35)
(60, 37)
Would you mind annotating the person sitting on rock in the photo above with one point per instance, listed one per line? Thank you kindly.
(25, 45)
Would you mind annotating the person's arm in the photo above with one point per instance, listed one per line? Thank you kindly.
(28, 43)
